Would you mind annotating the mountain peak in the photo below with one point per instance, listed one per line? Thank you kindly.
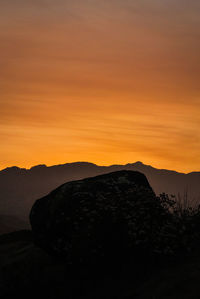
(138, 163)
(12, 169)
(40, 166)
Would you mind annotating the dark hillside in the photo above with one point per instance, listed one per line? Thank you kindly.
(104, 237)
(21, 187)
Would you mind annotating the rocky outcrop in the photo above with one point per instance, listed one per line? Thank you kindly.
(97, 218)
(21, 187)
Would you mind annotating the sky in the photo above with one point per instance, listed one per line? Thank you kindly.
(110, 82)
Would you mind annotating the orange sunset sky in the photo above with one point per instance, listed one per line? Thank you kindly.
(108, 82)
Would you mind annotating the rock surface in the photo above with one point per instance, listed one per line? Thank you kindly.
(97, 217)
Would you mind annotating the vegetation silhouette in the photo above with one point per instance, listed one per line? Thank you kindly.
(140, 245)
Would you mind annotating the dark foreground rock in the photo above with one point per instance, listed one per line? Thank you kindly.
(99, 219)
(103, 237)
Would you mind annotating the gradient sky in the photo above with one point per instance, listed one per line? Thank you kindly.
(105, 81)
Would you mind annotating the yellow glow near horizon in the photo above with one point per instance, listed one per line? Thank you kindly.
(109, 82)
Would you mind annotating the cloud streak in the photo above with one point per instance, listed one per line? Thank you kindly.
(111, 81)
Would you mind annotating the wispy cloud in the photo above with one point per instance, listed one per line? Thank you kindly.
(109, 81)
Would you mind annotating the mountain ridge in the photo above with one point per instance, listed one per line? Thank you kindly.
(21, 187)
(137, 163)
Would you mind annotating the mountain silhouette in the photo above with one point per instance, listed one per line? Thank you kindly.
(20, 187)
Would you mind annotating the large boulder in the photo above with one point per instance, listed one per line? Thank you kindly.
(97, 218)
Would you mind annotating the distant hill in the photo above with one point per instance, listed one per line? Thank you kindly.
(20, 187)
(10, 223)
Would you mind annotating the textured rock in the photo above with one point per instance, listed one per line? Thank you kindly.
(97, 217)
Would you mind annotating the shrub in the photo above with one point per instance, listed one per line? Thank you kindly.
(180, 231)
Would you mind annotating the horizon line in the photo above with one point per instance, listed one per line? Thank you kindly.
(87, 162)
